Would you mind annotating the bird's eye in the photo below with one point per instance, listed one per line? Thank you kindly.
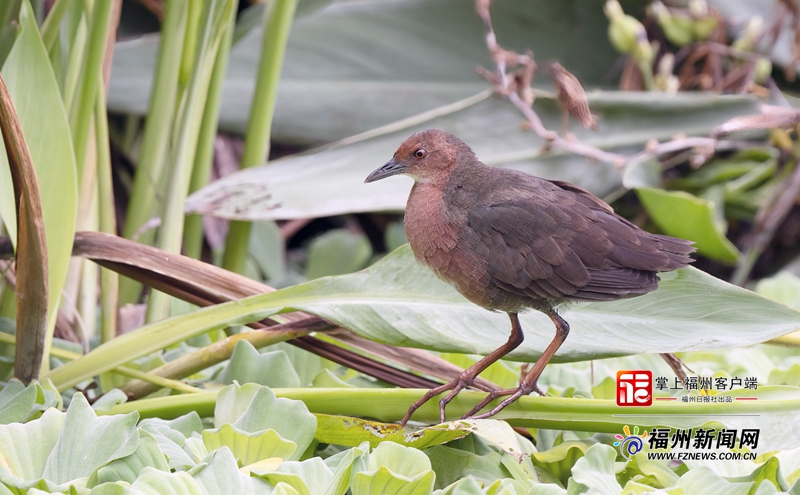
(420, 154)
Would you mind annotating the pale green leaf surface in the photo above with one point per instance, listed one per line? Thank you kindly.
(452, 464)
(783, 287)
(253, 408)
(220, 474)
(330, 181)
(151, 481)
(17, 401)
(249, 447)
(464, 486)
(704, 481)
(309, 477)
(127, 468)
(247, 365)
(594, 473)
(365, 64)
(684, 215)
(558, 460)
(396, 469)
(337, 252)
(88, 442)
(399, 302)
(25, 448)
(35, 92)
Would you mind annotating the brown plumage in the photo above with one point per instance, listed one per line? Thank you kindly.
(509, 242)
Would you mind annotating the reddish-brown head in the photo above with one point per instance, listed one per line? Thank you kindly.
(427, 156)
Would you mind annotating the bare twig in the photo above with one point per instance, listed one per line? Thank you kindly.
(516, 87)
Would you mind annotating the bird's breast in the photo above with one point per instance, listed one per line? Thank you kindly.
(433, 233)
(430, 233)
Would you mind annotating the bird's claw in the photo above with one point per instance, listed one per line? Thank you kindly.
(513, 393)
(456, 386)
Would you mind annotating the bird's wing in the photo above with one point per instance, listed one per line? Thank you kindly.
(560, 241)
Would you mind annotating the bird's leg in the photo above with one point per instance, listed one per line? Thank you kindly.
(528, 384)
(466, 377)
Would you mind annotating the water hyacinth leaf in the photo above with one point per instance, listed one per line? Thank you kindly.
(399, 302)
(314, 185)
(783, 288)
(253, 408)
(684, 215)
(88, 442)
(220, 474)
(452, 464)
(704, 481)
(249, 447)
(152, 481)
(594, 472)
(395, 469)
(336, 252)
(25, 448)
(247, 365)
(17, 401)
(147, 454)
(309, 477)
(558, 461)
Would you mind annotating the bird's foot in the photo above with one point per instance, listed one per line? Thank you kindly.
(463, 381)
(513, 393)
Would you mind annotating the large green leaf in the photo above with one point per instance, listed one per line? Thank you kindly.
(365, 64)
(330, 182)
(399, 302)
(37, 99)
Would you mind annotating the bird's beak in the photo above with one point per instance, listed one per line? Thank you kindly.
(387, 170)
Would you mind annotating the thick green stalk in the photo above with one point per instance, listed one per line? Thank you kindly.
(555, 413)
(210, 355)
(278, 21)
(52, 23)
(157, 132)
(81, 114)
(193, 231)
(216, 16)
(109, 279)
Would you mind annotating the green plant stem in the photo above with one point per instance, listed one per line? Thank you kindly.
(193, 231)
(390, 405)
(157, 132)
(208, 356)
(109, 279)
(52, 23)
(278, 22)
(81, 114)
(215, 16)
(156, 381)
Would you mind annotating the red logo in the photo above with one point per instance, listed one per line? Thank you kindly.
(634, 388)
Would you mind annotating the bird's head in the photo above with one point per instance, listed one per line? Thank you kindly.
(427, 156)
